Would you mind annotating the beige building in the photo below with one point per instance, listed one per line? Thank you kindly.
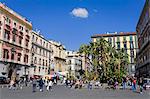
(41, 55)
(74, 63)
(15, 43)
(58, 59)
(125, 40)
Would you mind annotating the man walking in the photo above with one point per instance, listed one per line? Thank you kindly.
(41, 83)
(141, 85)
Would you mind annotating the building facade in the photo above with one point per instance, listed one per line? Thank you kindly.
(15, 43)
(143, 34)
(127, 41)
(41, 55)
(74, 63)
(58, 59)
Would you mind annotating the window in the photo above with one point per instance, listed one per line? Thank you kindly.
(12, 56)
(27, 30)
(46, 62)
(33, 38)
(118, 45)
(44, 44)
(15, 24)
(14, 37)
(41, 42)
(40, 61)
(19, 56)
(110, 40)
(131, 38)
(26, 58)
(131, 45)
(20, 40)
(27, 42)
(124, 39)
(8, 20)
(35, 60)
(125, 45)
(21, 28)
(7, 34)
(39, 69)
(45, 69)
(43, 62)
(6, 54)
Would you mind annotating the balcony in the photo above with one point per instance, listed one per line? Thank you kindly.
(146, 42)
(143, 64)
(7, 27)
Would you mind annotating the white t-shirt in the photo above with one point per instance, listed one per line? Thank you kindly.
(50, 83)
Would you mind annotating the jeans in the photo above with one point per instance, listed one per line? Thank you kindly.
(124, 85)
(134, 87)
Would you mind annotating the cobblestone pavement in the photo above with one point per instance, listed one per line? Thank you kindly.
(62, 92)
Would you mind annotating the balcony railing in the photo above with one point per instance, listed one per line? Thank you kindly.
(143, 64)
(146, 41)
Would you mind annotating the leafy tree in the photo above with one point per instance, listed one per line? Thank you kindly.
(105, 61)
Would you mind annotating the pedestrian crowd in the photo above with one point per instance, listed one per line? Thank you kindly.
(47, 84)
(132, 83)
(37, 84)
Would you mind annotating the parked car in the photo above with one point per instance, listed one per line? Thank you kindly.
(146, 83)
(3, 80)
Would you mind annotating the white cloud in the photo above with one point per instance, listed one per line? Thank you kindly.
(80, 12)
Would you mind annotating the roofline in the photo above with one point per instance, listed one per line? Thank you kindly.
(113, 35)
(40, 35)
(141, 14)
(15, 14)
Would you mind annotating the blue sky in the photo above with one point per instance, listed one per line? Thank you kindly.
(73, 22)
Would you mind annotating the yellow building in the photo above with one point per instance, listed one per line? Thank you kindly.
(126, 40)
(58, 58)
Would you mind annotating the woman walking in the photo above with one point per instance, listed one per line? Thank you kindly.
(49, 86)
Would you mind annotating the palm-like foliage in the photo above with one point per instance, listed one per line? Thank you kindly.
(106, 60)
